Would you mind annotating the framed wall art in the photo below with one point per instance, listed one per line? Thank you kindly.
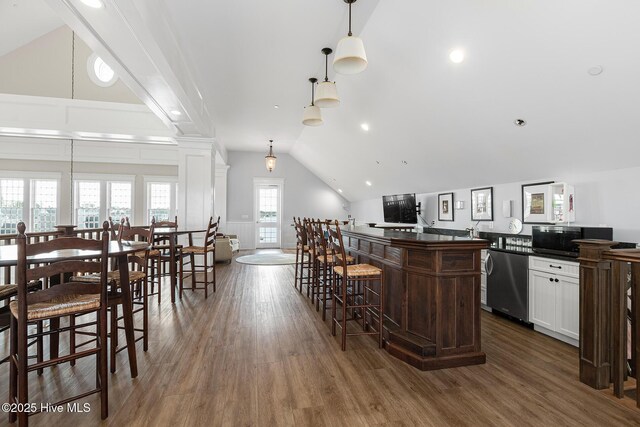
(482, 204)
(536, 203)
(445, 207)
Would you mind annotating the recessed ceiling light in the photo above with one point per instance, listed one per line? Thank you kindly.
(368, 183)
(456, 56)
(276, 106)
(176, 112)
(520, 122)
(595, 70)
(339, 190)
(96, 4)
(365, 127)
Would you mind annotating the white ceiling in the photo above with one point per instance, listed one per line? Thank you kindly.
(22, 21)
(451, 123)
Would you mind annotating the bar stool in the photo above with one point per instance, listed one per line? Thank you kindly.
(302, 249)
(209, 247)
(325, 260)
(353, 289)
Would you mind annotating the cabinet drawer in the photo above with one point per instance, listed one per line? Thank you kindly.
(550, 265)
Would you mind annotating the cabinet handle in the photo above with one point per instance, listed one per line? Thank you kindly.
(557, 280)
(555, 266)
(551, 279)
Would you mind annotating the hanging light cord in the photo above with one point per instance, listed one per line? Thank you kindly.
(73, 78)
(313, 92)
(350, 19)
(326, 67)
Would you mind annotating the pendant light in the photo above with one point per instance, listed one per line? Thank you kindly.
(327, 96)
(350, 55)
(270, 159)
(312, 115)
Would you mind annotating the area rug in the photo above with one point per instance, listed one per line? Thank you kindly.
(267, 259)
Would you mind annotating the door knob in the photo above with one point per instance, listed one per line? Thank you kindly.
(551, 279)
(557, 280)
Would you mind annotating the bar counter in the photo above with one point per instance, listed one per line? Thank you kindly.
(431, 297)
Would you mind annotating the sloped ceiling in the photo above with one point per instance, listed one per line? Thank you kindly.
(451, 123)
(22, 21)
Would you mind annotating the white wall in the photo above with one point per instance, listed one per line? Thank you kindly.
(610, 198)
(305, 195)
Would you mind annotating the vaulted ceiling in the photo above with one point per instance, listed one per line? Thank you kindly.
(433, 125)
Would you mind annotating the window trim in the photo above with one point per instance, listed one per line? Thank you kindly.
(105, 191)
(28, 177)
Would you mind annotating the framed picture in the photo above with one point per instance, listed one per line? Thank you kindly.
(536, 203)
(445, 207)
(482, 204)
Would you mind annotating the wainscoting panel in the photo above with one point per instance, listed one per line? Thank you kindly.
(245, 230)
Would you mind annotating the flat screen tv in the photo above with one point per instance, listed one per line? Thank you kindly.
(400, 208)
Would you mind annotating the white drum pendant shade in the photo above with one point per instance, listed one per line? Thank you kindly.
(350, 57)
(327, 95)
(312, 116)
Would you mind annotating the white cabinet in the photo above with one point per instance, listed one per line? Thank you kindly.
(554, 306)
(562, 202)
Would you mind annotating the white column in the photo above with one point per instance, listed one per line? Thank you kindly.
(196, 178)
(220, 199)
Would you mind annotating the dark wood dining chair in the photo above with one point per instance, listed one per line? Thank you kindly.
(56, 302)
(208, 267)
(354, 290)
(139, 266)
(161, 256)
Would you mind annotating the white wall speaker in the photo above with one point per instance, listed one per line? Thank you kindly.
(507, 208)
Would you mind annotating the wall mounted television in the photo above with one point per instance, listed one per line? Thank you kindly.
(400, 208)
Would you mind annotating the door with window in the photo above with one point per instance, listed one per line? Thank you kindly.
(268, 213)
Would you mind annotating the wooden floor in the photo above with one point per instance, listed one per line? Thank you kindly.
(257, 353)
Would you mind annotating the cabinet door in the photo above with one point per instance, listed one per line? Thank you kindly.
(568, 307)
(542, 299)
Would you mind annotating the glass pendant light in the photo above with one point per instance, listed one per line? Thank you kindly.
(327, 96)
(350, 55)
(312, 115)
(270, 159)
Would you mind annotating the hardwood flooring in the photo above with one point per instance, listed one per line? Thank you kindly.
(257, 353)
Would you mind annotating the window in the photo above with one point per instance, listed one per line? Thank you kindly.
(98, 197)
(120, 197)
(161, 200)
(44, 205)
(100, 72)
(11, 204)
(88, 204)
(31, 197)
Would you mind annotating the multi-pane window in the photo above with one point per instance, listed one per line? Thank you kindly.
(161, 201)
(11, 204)
(120, 198)
(88, 204)
(31, 197)
(97, 198)
(268, 204)
(44, 204)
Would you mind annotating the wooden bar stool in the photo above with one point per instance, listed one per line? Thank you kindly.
(62, 300)
(353, 289)
(324, 266)
(209, 247)
(302, 249)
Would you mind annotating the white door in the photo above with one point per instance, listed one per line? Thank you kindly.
(268, 214)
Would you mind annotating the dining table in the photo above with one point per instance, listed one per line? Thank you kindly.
(118, 251)
(172, 234)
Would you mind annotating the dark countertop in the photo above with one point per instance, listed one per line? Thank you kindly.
(400, 237)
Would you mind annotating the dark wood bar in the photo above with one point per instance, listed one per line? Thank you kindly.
(432, 294)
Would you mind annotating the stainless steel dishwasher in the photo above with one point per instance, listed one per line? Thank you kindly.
(507, 283)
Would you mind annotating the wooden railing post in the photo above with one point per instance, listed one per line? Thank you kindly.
(67, 230)
(595, 313)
